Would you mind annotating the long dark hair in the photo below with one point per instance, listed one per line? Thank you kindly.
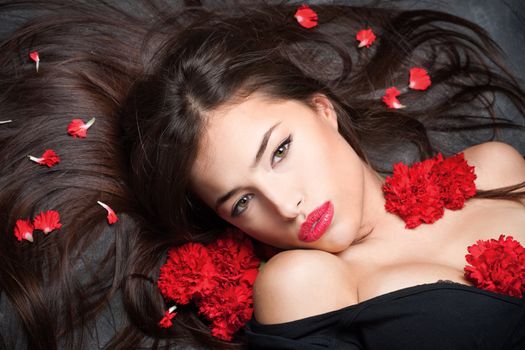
(151, 74)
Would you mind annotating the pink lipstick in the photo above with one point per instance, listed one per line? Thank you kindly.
(317, 222)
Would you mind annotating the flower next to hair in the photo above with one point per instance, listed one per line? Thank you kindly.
(419, 194)
(49, 158)
(390, 98)
(217, 278)
(366, 37)
(419, 79)
(35, 57)
(306, 17)
(165, 322)
(24, 230)
(77, 127)
(112, 217)
(47, 221)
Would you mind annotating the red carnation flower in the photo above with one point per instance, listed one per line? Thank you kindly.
(35, 57)
(188, 273)
(228, 309)
(165, 322)
(414, 193)
(77, 127)
(218, 278)
(49, 158)
(112, 217)
(419, 79)
(24, 230)
(420, 193)
(497, 266)
(390, 98)
(47, 221)
(366, 37)
(306, 17)
(232, 255)
(457, 181)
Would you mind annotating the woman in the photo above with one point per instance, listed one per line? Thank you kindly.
(248, 119)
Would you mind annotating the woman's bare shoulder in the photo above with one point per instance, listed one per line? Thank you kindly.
(296, 284)
(497, 164)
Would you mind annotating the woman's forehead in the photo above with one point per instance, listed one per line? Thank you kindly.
(231, 137)
(231, 140)
(246, 121)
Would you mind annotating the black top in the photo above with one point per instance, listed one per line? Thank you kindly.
(442, 315)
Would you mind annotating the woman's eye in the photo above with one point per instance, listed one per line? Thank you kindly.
(282, 150)
(241, 205)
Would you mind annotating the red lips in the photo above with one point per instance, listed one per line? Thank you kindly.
(317, 222)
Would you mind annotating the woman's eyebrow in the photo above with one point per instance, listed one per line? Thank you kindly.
(258, 156)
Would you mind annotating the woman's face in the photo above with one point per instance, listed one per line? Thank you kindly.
(265, 165)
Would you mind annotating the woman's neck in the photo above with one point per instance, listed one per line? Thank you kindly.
(375, 220)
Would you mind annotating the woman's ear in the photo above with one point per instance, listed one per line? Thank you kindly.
(325, 109)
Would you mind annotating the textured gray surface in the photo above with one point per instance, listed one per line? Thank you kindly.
(504, 20)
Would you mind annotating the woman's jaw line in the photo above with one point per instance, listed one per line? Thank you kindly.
(374, 213)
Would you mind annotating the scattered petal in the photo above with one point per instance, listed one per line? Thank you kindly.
(419, 79)
(366, 37)
(306, 17)
(77, 127)
(112, 217)
(165, 322)
(5, 121)
(34, 56)
(47, 221)
(24, 230)
(390, 98)
(49, 158)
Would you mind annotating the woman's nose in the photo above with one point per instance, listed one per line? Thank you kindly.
(285, 200)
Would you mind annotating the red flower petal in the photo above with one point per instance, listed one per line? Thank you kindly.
(420, 193)
(188, 273)
(229, 309)
(414, 193)
(306, 17)
(366, 37)
(112, 217)
(49, 158)
(232, 256)
(77, 127)
(456, 181)
(390, 98)
(497, 266)
(165, 322)
(24, 230)
(34, 56)
(47, 221)
(218, 278)
(419, 79)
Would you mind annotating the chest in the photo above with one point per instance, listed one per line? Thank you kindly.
(434, 252)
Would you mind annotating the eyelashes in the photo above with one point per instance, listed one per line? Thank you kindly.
(240, 206)
(277, 156)
(281, 151)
